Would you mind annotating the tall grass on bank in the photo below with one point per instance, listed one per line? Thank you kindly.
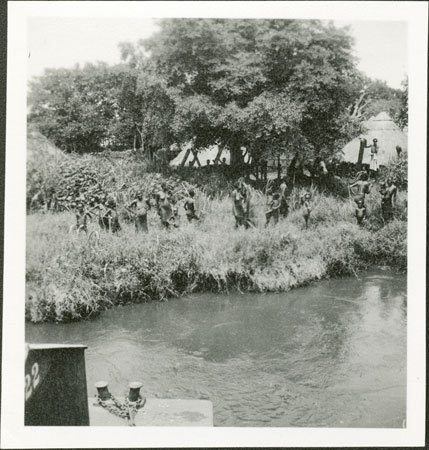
(68, 279)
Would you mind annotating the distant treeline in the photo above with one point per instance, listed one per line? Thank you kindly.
(273, 86)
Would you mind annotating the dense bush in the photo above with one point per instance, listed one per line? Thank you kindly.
(397, 170)
(387, 246)
(58, 182)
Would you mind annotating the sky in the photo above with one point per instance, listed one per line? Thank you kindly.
(381, 47)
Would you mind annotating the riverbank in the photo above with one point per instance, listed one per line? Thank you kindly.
(68, 279)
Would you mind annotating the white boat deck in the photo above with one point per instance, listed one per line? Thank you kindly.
(158, 412)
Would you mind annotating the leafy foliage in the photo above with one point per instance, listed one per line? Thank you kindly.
(402, 117)
(268, 84)
(76, 108)
(397, 170)
(382, 98)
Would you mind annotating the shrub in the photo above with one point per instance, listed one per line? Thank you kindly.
(62, 180)
(397, 170)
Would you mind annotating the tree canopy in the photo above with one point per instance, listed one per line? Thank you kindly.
(267, 84)
(76, 107)
(273, 86)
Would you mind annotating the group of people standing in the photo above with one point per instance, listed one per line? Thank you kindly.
(108, 217)
(166, 206)
(362, 186)
(373, 163)
(242, 206)
(277, 205)
(105, 211)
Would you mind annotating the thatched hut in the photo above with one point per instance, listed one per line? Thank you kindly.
(215, 154)
(388, 134)
(39, 146)
(367, 123)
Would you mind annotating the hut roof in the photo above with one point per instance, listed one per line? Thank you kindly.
(381, 122)
(204, 154)
(388, 135)
(39, 146)
(366, 123)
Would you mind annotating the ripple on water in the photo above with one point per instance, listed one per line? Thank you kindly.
(329, 355)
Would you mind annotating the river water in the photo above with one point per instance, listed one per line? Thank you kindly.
(329, 355)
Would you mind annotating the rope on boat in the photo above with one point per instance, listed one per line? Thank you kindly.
(124, 410)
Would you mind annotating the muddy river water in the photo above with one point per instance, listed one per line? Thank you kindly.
(329, 355)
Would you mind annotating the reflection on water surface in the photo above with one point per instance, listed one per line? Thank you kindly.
(332, 354)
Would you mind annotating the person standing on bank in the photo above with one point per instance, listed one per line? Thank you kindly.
(141, 207)
(386, 203)
(306, 210)
(274, 209)
(238, 205)
(388, 193)
(175, 209)
(165, 210)
(189, 206)
(360, 212)
(82, 216)
(284, 205)
(110, 219)
(249, 213)
(360, 188)
(373, 164)
(392, 191)
(160, 193)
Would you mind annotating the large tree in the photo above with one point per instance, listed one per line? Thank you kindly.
(274, 86)
(268, 84)
(77, 108)
(375, 96)
(402, 116)
(149, 103)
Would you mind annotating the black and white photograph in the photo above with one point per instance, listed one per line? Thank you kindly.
(214, 226)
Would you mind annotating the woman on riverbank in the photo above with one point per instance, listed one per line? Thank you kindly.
(360, 188)
(165, 210)
(373, 164)
(284, 205)
(82, 216)
(388, 193)
(274, 205)
(189, 206)
(109, 218)
(249, 212)
(141, 207)
(238, 205)
(306, 208)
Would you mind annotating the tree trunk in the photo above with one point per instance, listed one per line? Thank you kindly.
(356, 109)
(236, 158)
(140, 133)
(361, 152)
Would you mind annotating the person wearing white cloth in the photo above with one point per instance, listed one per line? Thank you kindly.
(373, 164)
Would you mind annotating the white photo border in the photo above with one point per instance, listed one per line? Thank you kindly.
(14, 434)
